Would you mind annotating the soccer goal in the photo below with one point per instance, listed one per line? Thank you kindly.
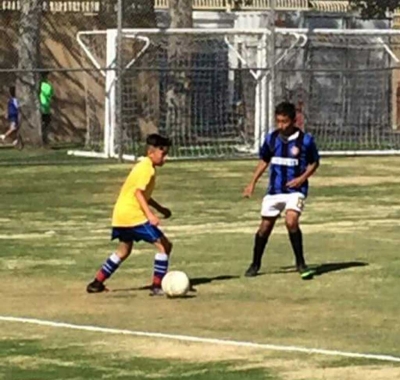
(213, 91)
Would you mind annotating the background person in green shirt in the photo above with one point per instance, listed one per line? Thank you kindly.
(46, 96)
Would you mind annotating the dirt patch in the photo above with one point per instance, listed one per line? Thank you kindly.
(345, 373)
(250, 226)
(163, 349)
(25, 236)
(12, 264)
(31, 362)
(320, 181)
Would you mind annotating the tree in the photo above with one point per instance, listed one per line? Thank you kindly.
(375, 8)
(179, 88)
(28, 79)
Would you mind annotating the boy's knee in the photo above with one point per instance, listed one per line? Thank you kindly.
(263, 232)
(124, 250)
(265, 228)
(168, 247)
(164, 245)
(292, 224)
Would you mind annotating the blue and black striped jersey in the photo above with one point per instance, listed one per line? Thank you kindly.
(288, 159)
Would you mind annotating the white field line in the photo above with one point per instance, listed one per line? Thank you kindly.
(194, 339)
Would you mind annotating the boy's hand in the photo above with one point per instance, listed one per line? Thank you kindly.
(295, 183)
(249, 190)
(153, 220)
(166, 212)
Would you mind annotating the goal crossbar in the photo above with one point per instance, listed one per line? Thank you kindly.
(260, 73)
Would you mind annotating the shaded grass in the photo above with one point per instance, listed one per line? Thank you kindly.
(32, 359)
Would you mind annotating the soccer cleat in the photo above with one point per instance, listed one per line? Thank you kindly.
(157, 291)
(2, 137)
(252, 271)
(96, 287)
(306, 273)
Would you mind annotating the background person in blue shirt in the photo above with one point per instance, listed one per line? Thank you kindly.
(292, 157)
(13, 119)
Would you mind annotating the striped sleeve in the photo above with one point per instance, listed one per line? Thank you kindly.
(312, 153)
(265, 150)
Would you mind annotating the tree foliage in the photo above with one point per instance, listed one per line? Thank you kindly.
(375, 8)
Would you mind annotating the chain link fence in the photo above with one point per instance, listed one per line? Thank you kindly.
(208, 89)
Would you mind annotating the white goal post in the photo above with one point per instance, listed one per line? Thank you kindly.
(341, 80)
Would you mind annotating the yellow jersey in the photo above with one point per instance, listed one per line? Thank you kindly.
(127, 210)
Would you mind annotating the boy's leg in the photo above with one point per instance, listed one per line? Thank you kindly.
(260, 243)
(18, 142)
(11, 130)
(161, 261)
(296, 240)
(109, 267)
(271, 208)
(46, 121)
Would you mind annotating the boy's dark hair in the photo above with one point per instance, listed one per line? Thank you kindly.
(157, 141)
(44, 75)
(286, 109)
(12, 91)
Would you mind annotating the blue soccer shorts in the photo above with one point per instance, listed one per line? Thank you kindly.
(143, 232)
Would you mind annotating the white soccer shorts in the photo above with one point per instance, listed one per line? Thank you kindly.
(13, 125)
(273, 205)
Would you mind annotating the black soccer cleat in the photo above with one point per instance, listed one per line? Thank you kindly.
(96, 287)
(252, 271)
(305, 272)
(157, 291)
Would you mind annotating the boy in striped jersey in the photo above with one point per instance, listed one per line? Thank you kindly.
(292, 157)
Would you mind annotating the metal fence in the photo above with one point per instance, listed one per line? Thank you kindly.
(211, 90)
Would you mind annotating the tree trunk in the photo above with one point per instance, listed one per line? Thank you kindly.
(28, 82)
(179, 87)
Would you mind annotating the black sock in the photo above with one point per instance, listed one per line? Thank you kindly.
(296, 239)
(260, 242)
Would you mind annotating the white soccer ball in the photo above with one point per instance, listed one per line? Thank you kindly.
(175, 284)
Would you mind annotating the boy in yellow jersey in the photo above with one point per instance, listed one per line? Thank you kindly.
(133, 220)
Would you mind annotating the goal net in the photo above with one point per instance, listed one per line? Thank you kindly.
(344, 84)
(213, 91)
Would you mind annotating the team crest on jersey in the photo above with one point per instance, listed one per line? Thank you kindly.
(295, 151)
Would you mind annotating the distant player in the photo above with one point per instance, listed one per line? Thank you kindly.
(46, 95)
(13, 119)
(133, 220)
(293, 157)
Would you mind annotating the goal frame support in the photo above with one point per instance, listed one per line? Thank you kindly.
(264, 109)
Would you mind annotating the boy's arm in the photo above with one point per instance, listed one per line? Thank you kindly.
(313, 164)
(310, 170)
(145, 207)
(265, 157)
(161, 209)
(260, 169)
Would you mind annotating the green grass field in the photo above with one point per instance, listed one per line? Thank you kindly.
(55, 215)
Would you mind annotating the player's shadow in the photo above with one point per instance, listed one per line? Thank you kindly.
(327, 267)
(193, 283)
(335, 267)
(206, 280)
(146, 287)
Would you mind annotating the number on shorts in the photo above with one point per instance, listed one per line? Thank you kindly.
(300, 203)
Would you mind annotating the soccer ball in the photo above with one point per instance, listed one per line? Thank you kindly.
(175, 284)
